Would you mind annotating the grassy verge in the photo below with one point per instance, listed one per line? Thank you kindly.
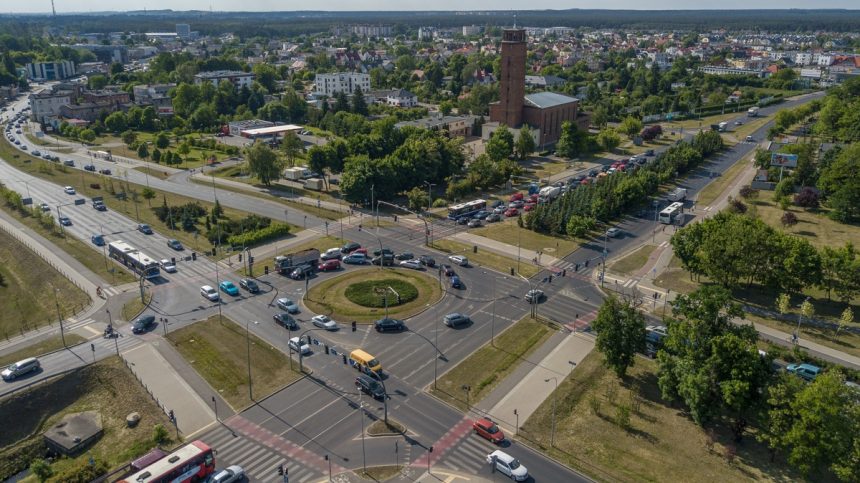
(660, 443)
(380, 428)
(378, 473)
(489, 365)
(329, 297)
(847, 342)
(508, 232)
(135, 306)
(634, 261)
(815, 226)
(486, 258)
(675, 278)
(716, 187)
(107, 387)
(26, 279)
(37, 140)
(42, 347)
(210, 346)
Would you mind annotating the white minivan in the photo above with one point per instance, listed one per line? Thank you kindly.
(20, 368)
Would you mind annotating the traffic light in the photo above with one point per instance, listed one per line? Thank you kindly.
(194, 256)
(344, 358)
(512, 271)
(250, 259)
(240, 257)
(281, 470)
(353, 326)
(326, 348)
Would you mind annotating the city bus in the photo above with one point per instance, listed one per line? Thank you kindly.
(192, 462)
(468, 208)
(670, 214)
(134, 259)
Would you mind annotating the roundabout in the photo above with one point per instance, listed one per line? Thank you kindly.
(361, 295)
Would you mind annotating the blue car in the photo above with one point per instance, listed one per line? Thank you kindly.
(455, 282)
(98, 240)
(229, 288)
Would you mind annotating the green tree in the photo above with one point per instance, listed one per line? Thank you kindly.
(160, 435)
(525, 142)
(184, 149)
(87, 135)
(264, 163)
(129, 137)
(630, 126)
(142, 151)
(445, 107)
(116, 122)
(620, 334)
(162, 140)
(359, 104)
(845, 320)
(608, 139)
(571, 141)
(148, 193)
(41, 469)
(292, 146)
(156, 155)
(501, 144)
(341, 102)
(417, 199)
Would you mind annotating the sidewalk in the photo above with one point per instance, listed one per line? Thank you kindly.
(278, 190)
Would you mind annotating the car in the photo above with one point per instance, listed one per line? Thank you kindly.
(413, 264)
(65, 221)
(389, 325)
(516, 204)
(69, 190)
(481, 215)
(349, 248)
(508, 465)
(497, 204)
(229, 474)
(405, 256)
(20, 368)
(387, 260)
(369, 385)
(463, 220)
(456, 319)
(529, 207)
(98, 240)
(592, 173)
(805, 371)
(328, 265)
(36, 152)
(489, 430)
(499, 210)
(511, 212)
(493, 217)
(210, 293)
(427, 261)
(605, 168)
(104, 171)
(142, 324)
(455, 282)
(750, 139)
(649, 152)
(534, 296)
(331, 254)
(144, 228)
(447, 270)
(613, 232)
(99, 206)
(324, 322)
(69, 162)
(17, 131)
(361, 251)
(175, 244)
(302, 272)
(250, 285)
(44, 207)
(459, 260)
(474, 223)
(384, 251)
(168, 266)
(288, 305)
(355, 259)
(517, 196)
(229, 288)
(90, 167)
(739, 123)
(286, 321)
(297, 345)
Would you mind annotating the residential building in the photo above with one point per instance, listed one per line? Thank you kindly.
(8, 92)
(452, 126)
(183, 31)
(469, 30)
(543, 81)
(724, 70)
(238, 78)
(331, 84)
(394, 97)
(61, 69)
(46, 105)
(106, 53)
(155, 95)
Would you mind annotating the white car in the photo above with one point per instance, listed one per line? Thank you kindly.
(168, 266)
(299, 347)
(229, 475)
(210, 293)
(413, 264)
(459, 260)
(508, 465)
(332, 254)
(324, 322)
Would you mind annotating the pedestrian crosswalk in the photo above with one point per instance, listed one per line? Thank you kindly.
(110, 291)
(259, 462)
(469, 456)
(73, 323)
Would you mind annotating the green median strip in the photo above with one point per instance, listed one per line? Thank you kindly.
(487, 258)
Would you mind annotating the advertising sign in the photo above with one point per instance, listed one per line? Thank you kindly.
(783, 160)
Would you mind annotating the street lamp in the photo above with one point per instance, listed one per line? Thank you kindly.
(248, 339)
(799, 318)
(554, 396)
(59, 317)
(361, 415)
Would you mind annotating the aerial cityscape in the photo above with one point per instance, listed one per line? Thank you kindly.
(247, 244)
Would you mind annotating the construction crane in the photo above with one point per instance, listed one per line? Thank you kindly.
(54, 10)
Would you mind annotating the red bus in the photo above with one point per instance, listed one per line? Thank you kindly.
(192, 462)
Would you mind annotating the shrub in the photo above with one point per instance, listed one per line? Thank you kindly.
(737, 206)
(788, 219)
(807, 198)
(160, 435)
(256, 237)
(748, 192)
(83, 472)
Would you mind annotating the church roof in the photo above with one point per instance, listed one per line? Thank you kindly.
(543, 100)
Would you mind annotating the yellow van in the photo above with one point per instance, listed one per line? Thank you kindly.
(365, 362)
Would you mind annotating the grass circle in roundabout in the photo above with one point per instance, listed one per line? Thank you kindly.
(356, 294)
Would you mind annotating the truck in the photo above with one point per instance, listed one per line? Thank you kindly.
(678, 194)
(722, 126)
(548, 193)
(752, 112)
(294, 174)
(285, 264)
(315, 184)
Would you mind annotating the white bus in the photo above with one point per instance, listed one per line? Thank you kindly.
(134, 259)
(468, 208)
(670, 214)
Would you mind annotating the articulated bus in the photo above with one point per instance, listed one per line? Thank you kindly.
(134, 259)
(192, 462)
(468, 208)
(670, 214)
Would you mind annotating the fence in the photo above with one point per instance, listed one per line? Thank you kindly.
(145, 387)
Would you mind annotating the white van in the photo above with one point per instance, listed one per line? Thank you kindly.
(21, 368)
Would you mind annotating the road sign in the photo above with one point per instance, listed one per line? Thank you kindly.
(27, 201)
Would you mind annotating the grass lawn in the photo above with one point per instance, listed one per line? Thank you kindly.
(508, 232)
(133, 307)
(107, 387)
(675, 278)
(216, 349)
(815, 226)
(25, 290)
(379, 428)
(750, 126)
(196, 158)
(487, 258)
(847, 342)
(37, 140)
(489, 365)
(378, 473)
(330, 298)
(634, 261)
(545, 168)
(661, 442)
(42, 347)
(715, 188)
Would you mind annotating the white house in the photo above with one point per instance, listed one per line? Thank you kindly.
(238, 78)
(395, 97)
(331, 84)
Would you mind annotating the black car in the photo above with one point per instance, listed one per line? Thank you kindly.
(174, 244)
(143, 324)
(405, 256)
(249, 285)
(385, 251)
(497, 203)
(350, 247)
(605, 168)
(649, 152)
(427, 261)
(389, 325)
(90, 167)
(447, 270)
(386, 260)
(286, 321)
(369, 386)
(104, 171)
(463, 220)
(592, 173)
(301, 272)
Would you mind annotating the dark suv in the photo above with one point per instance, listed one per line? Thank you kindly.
(369, 386)
(143, 324)
(386, 260)
(350, 247)
(249, 285)
(389, 325)
(456, 319)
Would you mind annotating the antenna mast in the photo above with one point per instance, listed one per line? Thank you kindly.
(54, 10)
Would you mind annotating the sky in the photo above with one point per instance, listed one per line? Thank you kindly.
(69, 6)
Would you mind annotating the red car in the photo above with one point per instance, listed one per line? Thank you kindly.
(615, 164)
(534, 198)
(512, 212)
(487, 429)
(516, 196)
(327, 265)
(529, 207)
(360, 250)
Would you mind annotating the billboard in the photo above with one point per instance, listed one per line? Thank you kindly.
(783, 160)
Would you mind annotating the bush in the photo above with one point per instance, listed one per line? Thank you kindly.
(788, 219)
(440, 203)
(807, 198)
(784, 188)
(748, 192)
(256, 237)
(160, 435)
(737, 206)
(83, 472)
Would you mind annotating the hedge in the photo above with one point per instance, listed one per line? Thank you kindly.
(256, 237)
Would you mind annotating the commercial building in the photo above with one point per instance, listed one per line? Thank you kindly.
(60, 69)
(238, 78)
(183, 31)
(452, 126)
(46, 105)
(154, 95)
(236, 127)
(332, 84)
(469, 30)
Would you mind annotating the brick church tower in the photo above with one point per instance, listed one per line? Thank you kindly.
(512, 81)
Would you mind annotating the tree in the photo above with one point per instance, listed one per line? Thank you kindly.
(264, 163)
(162, 140)
(359, 104)
(783, 303)
(116, 122)
(501, 144)
(445, 107)
(156, 155)
(417, 199)
(620, 334)
(845, 319)
(291, 146)
(570, 142)
(129, 137)
(630, 126)
(148, 193)
(142, 151)
(807, 197)
(42, 469)
(87, 135)
(184, 149)
(608, 139)
(525, 142)
(341, 102)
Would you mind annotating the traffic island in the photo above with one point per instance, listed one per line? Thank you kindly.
(381, 428)
(362, 295)
(379, 473)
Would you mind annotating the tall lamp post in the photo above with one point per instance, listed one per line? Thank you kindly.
(59, 316)
(248, 340)
(554, 396)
